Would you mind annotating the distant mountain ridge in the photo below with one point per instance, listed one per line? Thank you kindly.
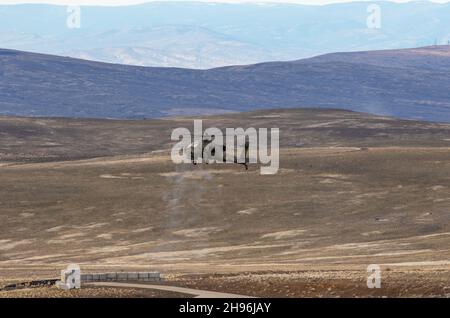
(206, 35)
(410, 83)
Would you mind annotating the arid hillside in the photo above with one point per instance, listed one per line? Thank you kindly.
(60, 139)
(352, 190)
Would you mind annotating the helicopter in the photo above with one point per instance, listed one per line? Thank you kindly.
(207, 143)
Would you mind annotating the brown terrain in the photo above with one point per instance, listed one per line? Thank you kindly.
(352, 190)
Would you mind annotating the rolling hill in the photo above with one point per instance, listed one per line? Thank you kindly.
(205, 35)
(34, 140)
(410, 83)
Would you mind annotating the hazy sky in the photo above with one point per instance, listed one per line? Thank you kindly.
(128, 2)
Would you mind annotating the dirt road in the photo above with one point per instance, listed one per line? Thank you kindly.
(190, 291)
